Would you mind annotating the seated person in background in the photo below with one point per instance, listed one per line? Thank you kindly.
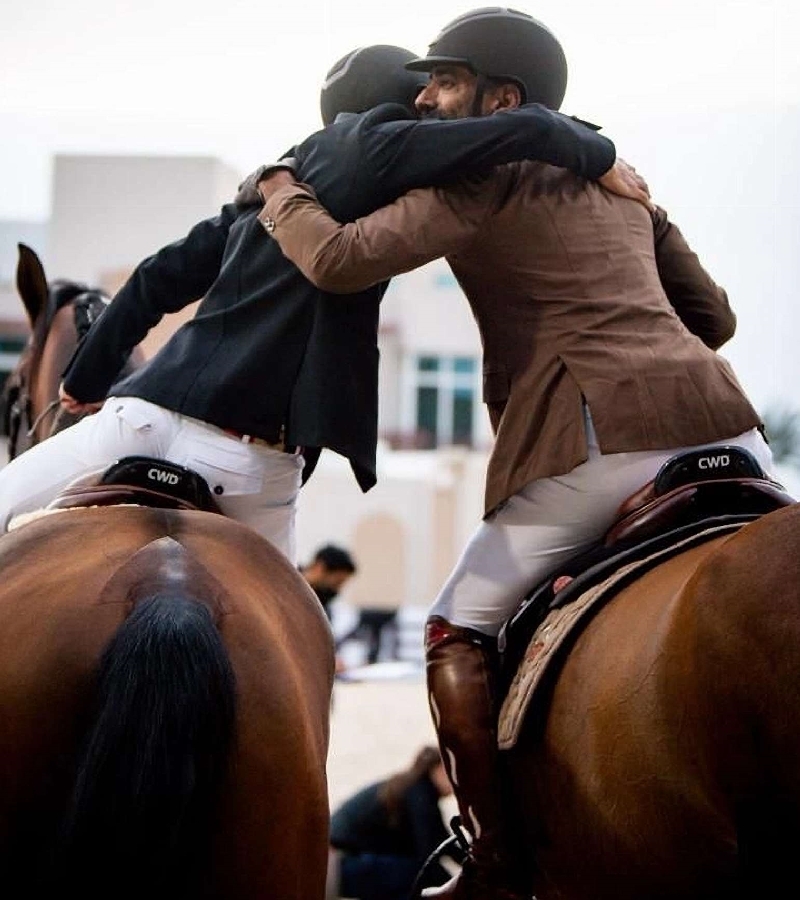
(382, 835)
(373, 623)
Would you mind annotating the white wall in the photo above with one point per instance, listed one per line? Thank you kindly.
(434, 500)
(110, 212)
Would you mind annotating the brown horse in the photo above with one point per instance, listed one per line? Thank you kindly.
(59, 312)
(165, 686)
(664, 761)
(165, 682)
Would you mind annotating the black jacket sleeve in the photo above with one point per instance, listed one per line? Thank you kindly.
(420, 153)
(175, 276)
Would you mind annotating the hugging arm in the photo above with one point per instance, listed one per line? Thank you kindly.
(406, 154)
(701, 304)
(344, 258)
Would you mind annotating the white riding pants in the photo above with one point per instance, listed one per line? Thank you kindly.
(547, 523)
(254, 484)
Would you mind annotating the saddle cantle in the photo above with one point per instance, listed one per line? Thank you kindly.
(693, 492)
(141, 480)
(694, 486)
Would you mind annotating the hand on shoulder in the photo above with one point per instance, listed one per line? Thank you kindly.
(624, 180)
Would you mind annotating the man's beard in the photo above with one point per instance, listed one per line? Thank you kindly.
(440, 115)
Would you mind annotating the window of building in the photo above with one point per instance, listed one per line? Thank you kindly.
(10, 348)
(442, 400)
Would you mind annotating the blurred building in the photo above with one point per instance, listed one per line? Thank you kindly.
(110, 212)
(14, 327)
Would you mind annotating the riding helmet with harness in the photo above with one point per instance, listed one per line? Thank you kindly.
(500, 44)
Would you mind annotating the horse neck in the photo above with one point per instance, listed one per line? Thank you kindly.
(47, 367)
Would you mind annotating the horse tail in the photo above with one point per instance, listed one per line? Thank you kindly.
(155, 754)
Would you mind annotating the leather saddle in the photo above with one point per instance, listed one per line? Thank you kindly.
(140, 480)
(692, 492)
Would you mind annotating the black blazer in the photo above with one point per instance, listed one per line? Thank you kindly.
(267, 350)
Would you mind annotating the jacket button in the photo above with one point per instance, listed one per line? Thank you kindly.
(219, 489)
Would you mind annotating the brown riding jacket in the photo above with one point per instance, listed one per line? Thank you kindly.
(579, 295)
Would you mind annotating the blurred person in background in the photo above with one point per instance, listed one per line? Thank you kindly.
(329, 570)
(382, 835)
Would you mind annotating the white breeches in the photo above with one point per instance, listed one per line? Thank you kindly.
(544, 525)
(254, 484)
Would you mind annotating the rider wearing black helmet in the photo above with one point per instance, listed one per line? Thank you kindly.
(367, 77)
(499, 45)
(269, 359)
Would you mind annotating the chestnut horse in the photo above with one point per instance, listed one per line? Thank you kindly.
(59, 312)
(165, 683)
(165, 687)
(664, 763)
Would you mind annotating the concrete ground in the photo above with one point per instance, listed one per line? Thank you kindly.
(376, 729)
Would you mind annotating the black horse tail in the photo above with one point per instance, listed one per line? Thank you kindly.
(156, 753)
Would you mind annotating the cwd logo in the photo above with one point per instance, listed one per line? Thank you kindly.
(714, 462)
(164, 477)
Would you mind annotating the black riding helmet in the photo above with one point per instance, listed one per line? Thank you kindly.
(367, 77)
(505, 44)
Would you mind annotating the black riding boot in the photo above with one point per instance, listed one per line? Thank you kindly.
(461, 666)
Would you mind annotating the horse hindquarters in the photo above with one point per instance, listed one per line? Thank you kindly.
(668, 766)
(747, 610)
(153, 760)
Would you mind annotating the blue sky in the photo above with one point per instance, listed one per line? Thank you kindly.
(703, 97)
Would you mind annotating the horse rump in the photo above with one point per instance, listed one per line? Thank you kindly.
(139, 822)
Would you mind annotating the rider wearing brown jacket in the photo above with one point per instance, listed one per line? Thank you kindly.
(599, 330)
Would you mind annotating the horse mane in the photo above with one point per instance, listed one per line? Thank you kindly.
(60, 293)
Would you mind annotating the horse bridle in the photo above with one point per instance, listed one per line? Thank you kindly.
(18, 411)
(87, 308)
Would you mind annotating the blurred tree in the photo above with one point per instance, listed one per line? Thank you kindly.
(783, 433)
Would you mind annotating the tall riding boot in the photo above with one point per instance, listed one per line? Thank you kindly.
(461, 667)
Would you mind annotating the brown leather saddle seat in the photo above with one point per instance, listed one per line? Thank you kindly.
(692, 492)
(140, 480)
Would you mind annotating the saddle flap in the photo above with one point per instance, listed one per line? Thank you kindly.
(533, 657)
